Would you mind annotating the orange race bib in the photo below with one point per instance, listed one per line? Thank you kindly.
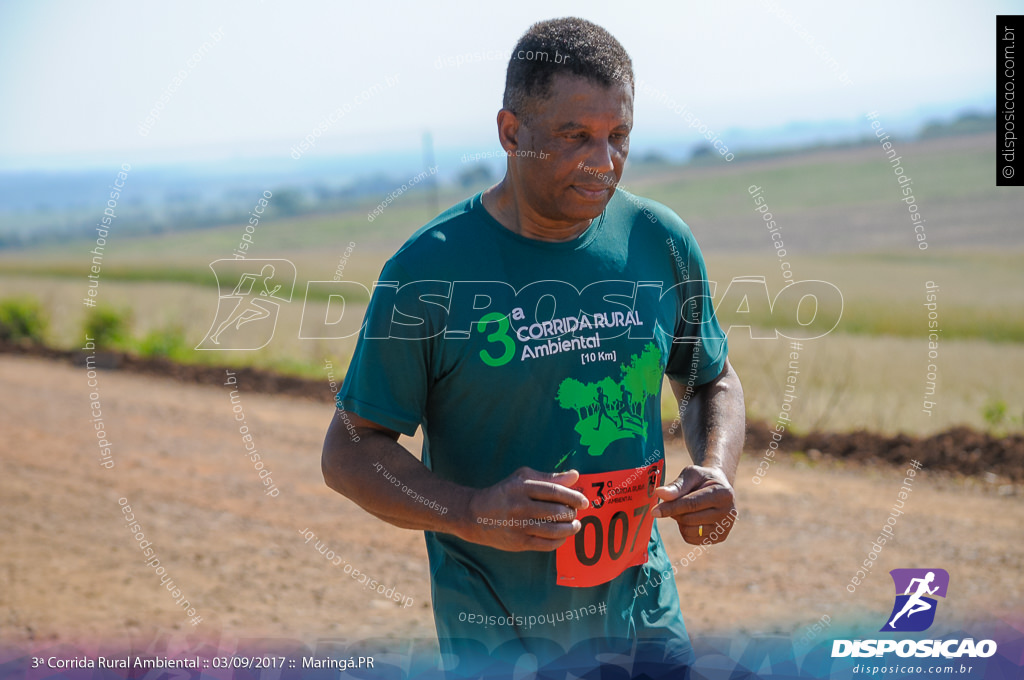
(616, 526)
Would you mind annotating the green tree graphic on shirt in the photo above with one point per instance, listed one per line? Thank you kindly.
(610, 410)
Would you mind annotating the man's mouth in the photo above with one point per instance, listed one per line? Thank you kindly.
(592, 192)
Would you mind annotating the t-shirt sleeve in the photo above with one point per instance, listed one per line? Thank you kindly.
(700, 347)
(388, 378)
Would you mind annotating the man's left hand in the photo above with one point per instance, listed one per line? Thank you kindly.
(698, 499)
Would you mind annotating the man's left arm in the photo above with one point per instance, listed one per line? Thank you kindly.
(714, 425)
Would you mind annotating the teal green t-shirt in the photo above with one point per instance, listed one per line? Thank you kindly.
(512, 352)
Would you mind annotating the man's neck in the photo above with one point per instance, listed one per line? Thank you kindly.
(511, 212)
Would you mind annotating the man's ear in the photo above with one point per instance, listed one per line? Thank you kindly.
(508, 130)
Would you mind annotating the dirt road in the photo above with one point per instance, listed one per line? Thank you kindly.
(71, 571)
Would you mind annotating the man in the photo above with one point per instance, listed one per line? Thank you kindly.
(514, 320)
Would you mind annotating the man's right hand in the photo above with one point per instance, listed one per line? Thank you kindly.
(528, 510)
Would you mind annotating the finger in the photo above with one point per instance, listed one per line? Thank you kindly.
(555, 493)
(717, 499)
(560, 531)
(704, 534)
(693, 535)
(555, 513)
(551, 486)
(567, 478)
(707, 518)
(688, 480)
(702, 499)
(673, 490)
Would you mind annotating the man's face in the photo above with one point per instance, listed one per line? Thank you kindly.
(584, 128)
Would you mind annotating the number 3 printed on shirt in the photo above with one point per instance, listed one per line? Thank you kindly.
(499, 336)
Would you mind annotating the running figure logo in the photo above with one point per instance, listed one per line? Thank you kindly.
(259, 286)
(914, 610)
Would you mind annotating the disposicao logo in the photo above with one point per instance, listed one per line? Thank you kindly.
(914, 611)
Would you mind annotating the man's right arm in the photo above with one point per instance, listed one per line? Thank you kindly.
(542, 502)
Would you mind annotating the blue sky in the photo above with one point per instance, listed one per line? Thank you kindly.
(77, 78)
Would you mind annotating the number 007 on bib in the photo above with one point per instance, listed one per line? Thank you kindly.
(616, 526)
